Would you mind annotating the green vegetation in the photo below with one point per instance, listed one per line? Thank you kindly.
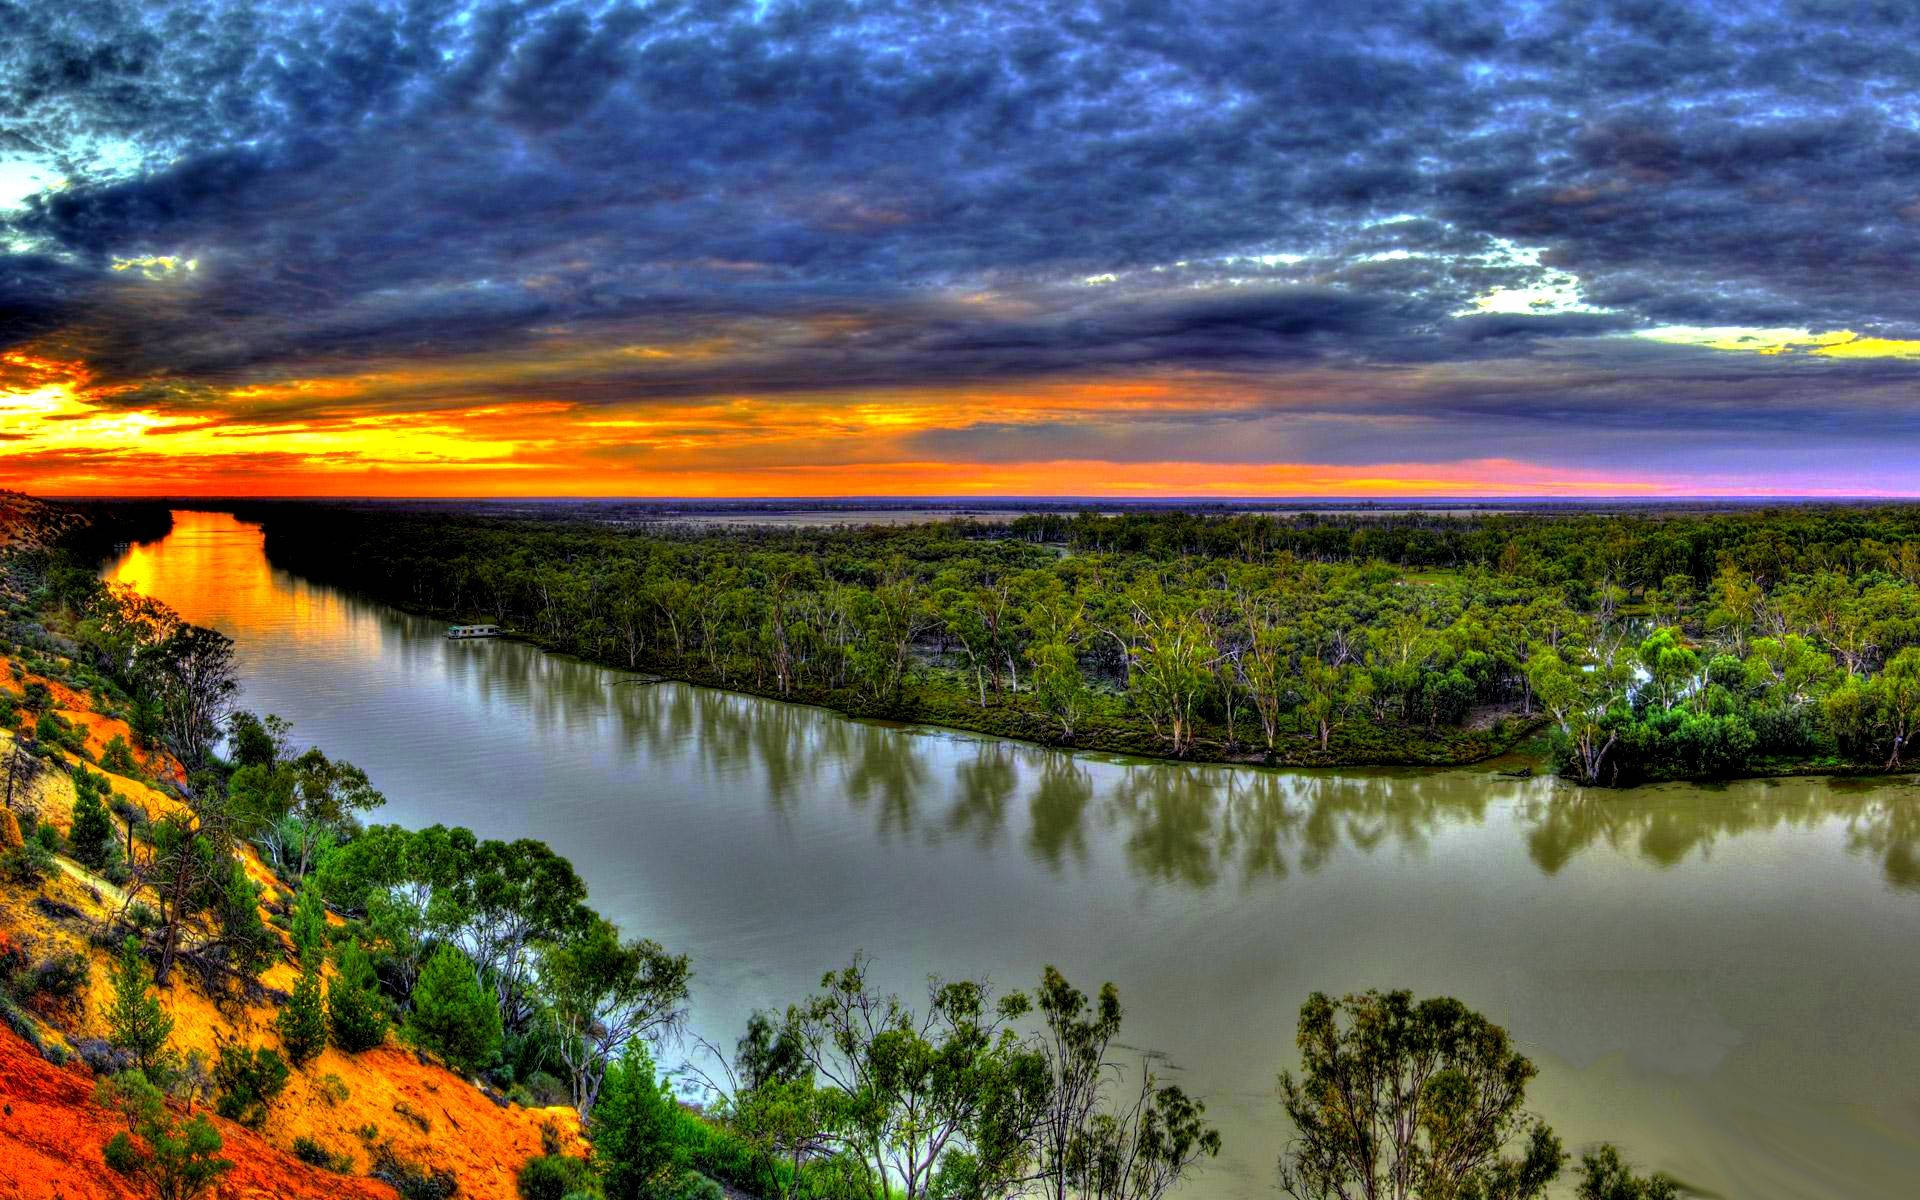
(173, 1159)
(91, 836)
(246, 1082)
(1446, 1090)
(453, 1014)
(356, 1014)
(136, 1022)
(1656, 646)
(303, 1022)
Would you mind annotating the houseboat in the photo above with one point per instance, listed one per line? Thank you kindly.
(473, 631)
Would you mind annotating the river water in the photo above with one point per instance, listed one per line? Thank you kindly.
(1722, 980)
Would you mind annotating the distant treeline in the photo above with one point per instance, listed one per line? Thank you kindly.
(1658, 645)
(108, 524)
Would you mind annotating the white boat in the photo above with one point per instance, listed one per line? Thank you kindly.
(473, 631)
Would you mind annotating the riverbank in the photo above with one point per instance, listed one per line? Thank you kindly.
(1513, 741)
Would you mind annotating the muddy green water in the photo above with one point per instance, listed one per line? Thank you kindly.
(1722, 980)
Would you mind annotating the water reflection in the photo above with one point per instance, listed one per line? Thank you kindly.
(1186, 825)
(1665, 826)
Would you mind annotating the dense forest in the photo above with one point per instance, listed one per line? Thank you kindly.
(214, 852)
(1649, 645)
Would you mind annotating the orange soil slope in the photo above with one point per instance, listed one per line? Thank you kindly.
(424, 1112)
(52, 1135)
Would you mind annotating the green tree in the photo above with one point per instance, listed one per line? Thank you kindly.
(788, 1122)
(117, 756)
(356, 1012)
(911, 1088)
(601, 993)
(1899, 686)
(1604, 1176)
(303, 1022)
(454, 1015)
(246, 1081)
(173, 1160)
(91, 834)
(1087, 1146)
(1581, 703)
(1057, 684)
(136, 1022)
(633, 1128)
(328, 796)
(1671, 667)
(1397, 1099)
(308, 923)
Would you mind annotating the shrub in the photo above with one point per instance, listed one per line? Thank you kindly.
(28, 864)
(333, 1089)
(553, 1177)
(692, 1185)
(356, 1013)
(13, 959)
(102, 1057)
(175, 1160)
(24, 1026)
(308, 923)
(412, 1180)
(53, 730)
(117, 756)
(61, 977)
(454, 1015)
(314, 1154)
(247, 1082)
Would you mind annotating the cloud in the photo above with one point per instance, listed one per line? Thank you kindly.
(1451, 218)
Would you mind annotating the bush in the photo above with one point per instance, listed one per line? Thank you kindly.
(315, 1155)
(175, 1160)
(333, 1089)
(13, 959)
(117, 756)
(356, 1013)
(454, 1014)
(27, 864)
(61, 977)
(553, 1177)
(24, 1026)
(102, 1057)
(412, 1180)
(694, 1186)
(247, 1082)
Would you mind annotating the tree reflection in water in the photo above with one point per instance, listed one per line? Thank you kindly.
(1179, 824)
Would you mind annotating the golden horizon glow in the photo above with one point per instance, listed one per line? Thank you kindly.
(500, 426)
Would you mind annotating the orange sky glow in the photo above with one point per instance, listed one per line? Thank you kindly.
(413, 431)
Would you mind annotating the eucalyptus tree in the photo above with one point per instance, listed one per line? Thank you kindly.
(1088, 1146)
(1583, 701)
(1403, 1100)
(907, 1089)
(601, 992)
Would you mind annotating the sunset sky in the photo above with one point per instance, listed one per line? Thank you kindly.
(837, 248)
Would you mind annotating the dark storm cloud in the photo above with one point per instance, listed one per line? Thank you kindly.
(891, 195)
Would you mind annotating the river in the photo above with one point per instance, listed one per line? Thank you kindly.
(1722, 980)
